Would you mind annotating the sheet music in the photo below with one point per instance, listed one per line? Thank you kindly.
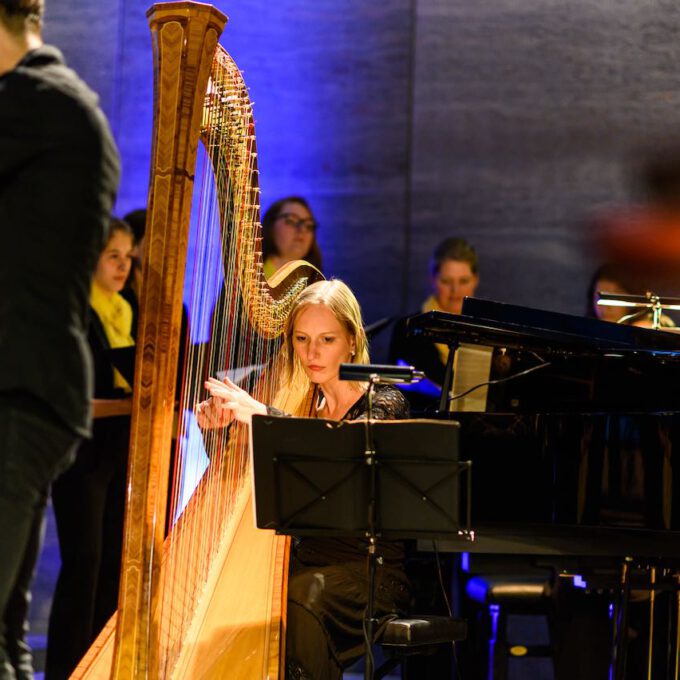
(471, 366)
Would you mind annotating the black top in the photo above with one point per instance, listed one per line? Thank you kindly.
(104, 387)
(59, 171)
(388, 404)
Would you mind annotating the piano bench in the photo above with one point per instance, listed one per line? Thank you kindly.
(420, 635)
(503, 596)
(518, 592)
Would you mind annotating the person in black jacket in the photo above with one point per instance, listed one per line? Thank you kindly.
(89, 498)
(59, 172)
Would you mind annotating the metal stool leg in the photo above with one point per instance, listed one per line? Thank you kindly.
(652, 599)
(620, 623)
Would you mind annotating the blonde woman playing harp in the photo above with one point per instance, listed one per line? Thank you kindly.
(328, 585)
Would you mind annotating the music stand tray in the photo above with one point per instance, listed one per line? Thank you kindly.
(311, 477)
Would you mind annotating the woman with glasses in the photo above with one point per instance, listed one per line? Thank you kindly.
(289, 233)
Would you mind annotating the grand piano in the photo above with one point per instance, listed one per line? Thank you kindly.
(576, 446)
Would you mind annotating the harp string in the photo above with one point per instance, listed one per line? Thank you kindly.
(175, 599)
(242, 326)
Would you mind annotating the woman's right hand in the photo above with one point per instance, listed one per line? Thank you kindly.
(237, 402)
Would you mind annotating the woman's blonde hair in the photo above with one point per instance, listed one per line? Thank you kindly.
(295, 387)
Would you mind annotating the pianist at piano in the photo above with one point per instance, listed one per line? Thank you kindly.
(454, 274)
(328, 582)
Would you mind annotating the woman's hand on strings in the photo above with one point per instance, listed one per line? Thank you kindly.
(228, 397)
(210, 414)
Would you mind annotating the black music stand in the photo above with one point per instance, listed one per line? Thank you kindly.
(315, 477)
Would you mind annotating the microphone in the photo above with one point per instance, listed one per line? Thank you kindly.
(380, 373)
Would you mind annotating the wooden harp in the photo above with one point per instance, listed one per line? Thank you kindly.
(209, 599)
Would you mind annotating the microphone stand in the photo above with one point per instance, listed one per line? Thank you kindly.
(374, 374)
(372, 535)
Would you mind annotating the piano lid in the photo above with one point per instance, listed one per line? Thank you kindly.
(504, 325)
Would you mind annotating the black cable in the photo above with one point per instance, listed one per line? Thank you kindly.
(368, 643)
(498, 381)
(441, 579)
(459, 675)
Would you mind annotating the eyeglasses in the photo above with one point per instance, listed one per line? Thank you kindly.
(297, 223)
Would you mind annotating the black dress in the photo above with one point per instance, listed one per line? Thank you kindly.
(328, 584)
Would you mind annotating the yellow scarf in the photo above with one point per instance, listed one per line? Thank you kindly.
(115, 314)
(269, 268)
(430, 305)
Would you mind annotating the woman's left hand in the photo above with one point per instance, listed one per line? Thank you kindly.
(231, 397)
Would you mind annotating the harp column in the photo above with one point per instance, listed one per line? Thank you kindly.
(185, 37)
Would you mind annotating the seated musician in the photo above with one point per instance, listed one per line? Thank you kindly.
(608, 278)
(288, 234)
(89, 498)
(133, 286)
(454, 276)
(612, 278)
(328, 585)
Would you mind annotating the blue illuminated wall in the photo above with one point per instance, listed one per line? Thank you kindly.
(505, 121)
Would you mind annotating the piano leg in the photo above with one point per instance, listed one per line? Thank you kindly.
(620, 623)
(677, 628)
(652, 600)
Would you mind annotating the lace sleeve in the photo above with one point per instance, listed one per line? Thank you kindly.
(271, 411)
(388, 404)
